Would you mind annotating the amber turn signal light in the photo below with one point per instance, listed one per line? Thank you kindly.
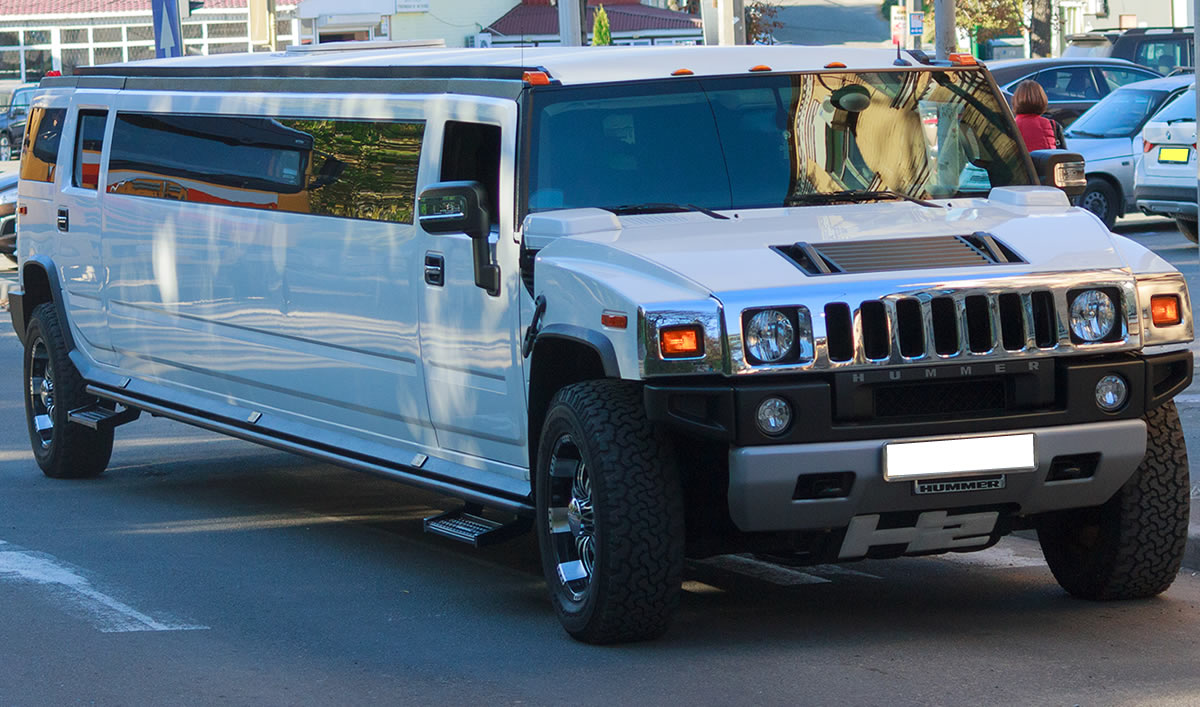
(680, 342)
(615, 320)
(1164, 310)
(536, 78)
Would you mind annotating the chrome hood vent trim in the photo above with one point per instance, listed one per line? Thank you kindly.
(884, 255)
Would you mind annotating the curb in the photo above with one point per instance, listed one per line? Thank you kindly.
(1191, 555)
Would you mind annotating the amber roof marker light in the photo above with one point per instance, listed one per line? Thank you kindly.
(683, 72)
(536, 78)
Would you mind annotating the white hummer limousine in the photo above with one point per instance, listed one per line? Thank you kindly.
(817, 304)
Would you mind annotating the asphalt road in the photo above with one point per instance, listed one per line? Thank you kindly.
(203, 570)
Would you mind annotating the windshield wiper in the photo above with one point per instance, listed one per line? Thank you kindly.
(659, 207)
(1082, 133)
(855, 195)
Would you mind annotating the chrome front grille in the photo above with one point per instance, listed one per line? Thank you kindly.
(861, 324)
(913, 328)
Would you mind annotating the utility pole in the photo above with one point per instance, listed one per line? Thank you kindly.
(570, 22)
(945, 37)
(725, 35)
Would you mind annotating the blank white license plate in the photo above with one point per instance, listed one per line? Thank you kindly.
(903, 461)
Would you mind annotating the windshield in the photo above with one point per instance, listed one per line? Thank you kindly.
(763, 141)
(1120, 114)
(1182, 109)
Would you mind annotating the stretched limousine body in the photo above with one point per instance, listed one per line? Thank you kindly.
(655, 303)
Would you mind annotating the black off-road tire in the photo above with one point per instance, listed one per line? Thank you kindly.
(66, 450)
(634, 504)
(1187, 226)
(1100, 198)
(1132, 546)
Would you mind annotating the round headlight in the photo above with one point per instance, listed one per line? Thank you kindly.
(1092, 315)
(769, 335)
(1111, 393)
(774, 416)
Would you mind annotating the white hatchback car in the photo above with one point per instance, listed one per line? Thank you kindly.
(1165, 179)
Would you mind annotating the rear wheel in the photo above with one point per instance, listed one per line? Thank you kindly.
(1132, 546)
(53, 387)
(610, 515)
(1187, 227)
(1101, 199)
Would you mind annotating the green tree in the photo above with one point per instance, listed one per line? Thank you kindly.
(761, 22)
(601, 30)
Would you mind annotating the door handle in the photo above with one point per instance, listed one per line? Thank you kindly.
(435, 269)
(63, 223)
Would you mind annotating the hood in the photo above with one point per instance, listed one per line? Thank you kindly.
(1094, 149)
(737, 254)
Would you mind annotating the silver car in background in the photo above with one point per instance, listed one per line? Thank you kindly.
(1165, 179)
(1109, 137)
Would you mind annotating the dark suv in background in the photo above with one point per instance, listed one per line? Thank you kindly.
(1163, 49)
(1072, 84)
(12, 120)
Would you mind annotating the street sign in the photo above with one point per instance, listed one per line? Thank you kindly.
(168, 36)
(916, 23)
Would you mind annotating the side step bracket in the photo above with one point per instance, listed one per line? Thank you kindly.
(101, 418)
(467, 525)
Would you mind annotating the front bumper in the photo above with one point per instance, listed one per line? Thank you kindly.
(765, 482)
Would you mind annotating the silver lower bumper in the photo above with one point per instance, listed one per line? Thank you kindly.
(763, 480)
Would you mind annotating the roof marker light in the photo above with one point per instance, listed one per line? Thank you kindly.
(760, 67)
(963, 59)
(536, 78)
(835, 65)
(682, 72)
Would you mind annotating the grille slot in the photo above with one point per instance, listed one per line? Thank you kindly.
(839, 332)
(888, 254)
(919, 328)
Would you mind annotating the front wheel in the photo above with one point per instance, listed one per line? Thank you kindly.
(53, 387)
(1132, 546)
(1187, 226)
(610, 515)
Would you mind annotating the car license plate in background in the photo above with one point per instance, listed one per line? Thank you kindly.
(958, 457)
(1173, 154)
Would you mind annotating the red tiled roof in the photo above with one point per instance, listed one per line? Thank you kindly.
(531, 19)
(74, 7)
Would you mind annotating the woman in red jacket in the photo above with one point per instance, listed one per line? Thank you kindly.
(1039, 132)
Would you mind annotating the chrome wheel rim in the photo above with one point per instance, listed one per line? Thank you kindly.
(571, 518)
(41, 393)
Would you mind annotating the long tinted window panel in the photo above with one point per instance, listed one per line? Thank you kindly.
(39, 150)
(351, 169)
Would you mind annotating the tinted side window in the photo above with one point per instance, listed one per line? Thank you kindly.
(1070, 84)
(1162, 54)
(89, 140)
(471, 151)
(1115, 78)
(39, 148)
(352, 169)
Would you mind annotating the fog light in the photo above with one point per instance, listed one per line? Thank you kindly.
(774, 416)
(1111, 393)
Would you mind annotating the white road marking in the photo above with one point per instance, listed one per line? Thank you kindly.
(775, 574)
(996, 556)
(107, 614)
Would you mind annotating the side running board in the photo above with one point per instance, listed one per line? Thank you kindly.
(466, 525)
(101, 418)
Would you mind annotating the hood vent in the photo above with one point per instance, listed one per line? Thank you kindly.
(976, 249)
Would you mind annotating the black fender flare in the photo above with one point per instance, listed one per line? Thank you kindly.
(587, 337)
(21, 305)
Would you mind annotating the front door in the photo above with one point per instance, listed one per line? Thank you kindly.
(470, 340)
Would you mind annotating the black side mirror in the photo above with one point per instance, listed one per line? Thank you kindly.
(1062, 169)
(461, 207)
(331, 169)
